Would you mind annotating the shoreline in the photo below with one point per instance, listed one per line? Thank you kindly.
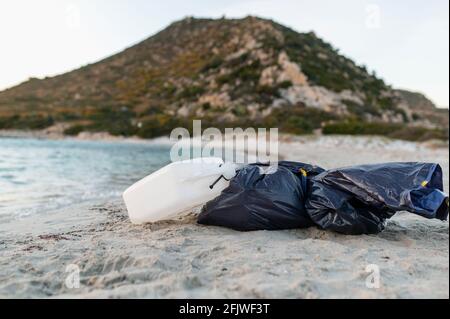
(84, 136)
(56, 134)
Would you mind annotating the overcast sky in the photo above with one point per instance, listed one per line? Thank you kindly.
(405, 41)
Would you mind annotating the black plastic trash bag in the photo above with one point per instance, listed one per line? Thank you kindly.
(262, 197)
(359, 199)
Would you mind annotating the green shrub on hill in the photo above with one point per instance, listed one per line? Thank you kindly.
(191, 92)
(75, 130)
(420, 134)
(158, 125)
(397, 131)
(29, 122)
(297, 120)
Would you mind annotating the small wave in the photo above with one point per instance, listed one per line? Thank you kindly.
(8, 177)
(12, 169)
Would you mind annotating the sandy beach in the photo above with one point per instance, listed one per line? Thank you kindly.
(181, 259)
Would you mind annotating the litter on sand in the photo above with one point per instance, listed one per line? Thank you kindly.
(285, 195)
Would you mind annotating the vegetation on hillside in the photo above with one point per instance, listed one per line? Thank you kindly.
(392, 130)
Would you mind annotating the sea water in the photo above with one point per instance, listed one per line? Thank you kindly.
(37, 176)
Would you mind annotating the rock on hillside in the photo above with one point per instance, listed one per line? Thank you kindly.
(423, 110)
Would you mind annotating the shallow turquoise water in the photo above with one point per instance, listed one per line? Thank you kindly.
(41, 175)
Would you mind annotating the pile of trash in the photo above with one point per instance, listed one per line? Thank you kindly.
(286, 195)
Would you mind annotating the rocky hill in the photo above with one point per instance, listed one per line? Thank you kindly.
(239, 72)
(425, 110)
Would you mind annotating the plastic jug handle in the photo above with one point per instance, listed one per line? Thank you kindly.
(227, 170)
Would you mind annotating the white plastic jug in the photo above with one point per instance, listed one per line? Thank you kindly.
(176, 188)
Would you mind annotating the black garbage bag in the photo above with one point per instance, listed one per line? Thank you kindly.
(359, 199)
(263, 197)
